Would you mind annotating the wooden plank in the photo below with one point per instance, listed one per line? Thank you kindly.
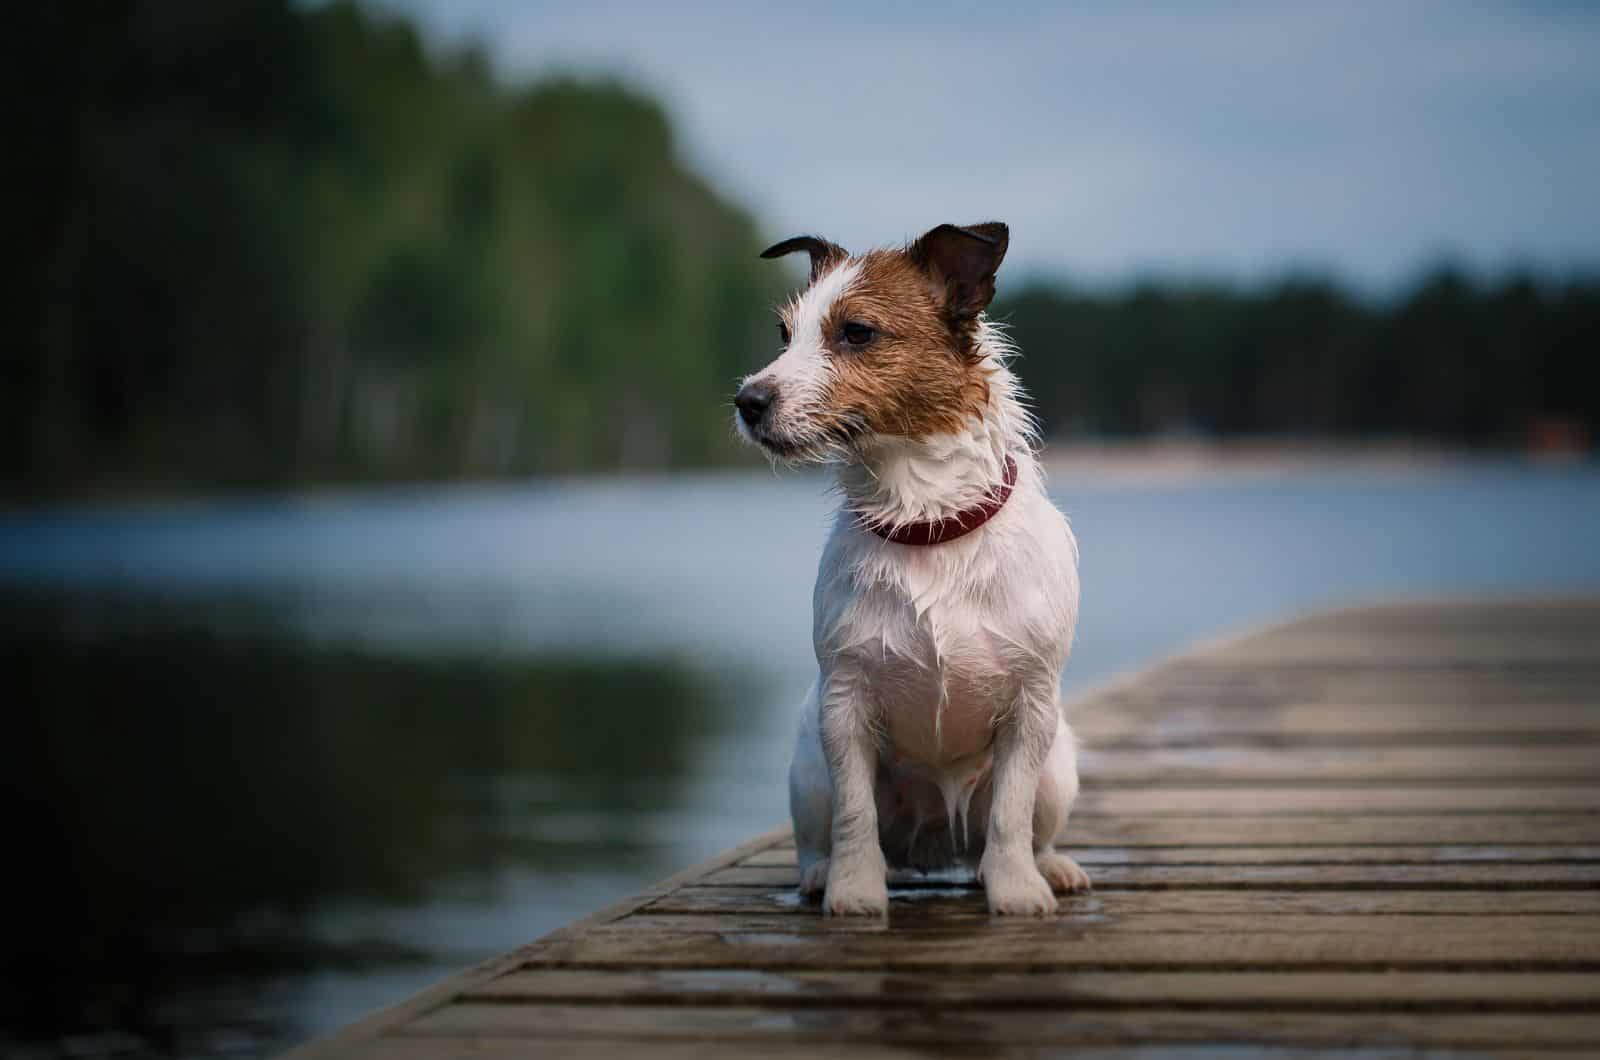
(1387, 830)
(1206, 736)
(1296, 765)
(1269, 877)
(1088, 918)
(1210, 682)
(480, 1046)
(1316, 991)
(979, 1025)
(1290, 717)
(1342, 725)
(1331, 855)
(484, 1046)
(1365, 800)
(966, 901)
(1474, 691)
(1369, 943)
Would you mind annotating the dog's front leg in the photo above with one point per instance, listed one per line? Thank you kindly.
(857, 874)
(1011, 879)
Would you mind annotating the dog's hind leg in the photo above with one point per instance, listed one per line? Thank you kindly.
(1058, 789)
(811, 801)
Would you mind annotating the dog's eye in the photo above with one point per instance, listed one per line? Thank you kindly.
(857, 334)
(783, 332)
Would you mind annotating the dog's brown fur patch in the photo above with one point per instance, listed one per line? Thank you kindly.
(921, 374)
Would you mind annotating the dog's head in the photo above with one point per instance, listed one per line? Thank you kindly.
(881, 344)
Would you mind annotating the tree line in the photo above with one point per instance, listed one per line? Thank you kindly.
(261, 243)
(1455, 359)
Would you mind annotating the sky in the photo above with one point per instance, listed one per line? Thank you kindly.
(1236, 141)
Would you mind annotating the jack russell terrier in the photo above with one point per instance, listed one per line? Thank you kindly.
(947, 593)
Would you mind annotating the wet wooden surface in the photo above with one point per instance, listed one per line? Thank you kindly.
(1368, 832)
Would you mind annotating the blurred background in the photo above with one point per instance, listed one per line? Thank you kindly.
(374, 551)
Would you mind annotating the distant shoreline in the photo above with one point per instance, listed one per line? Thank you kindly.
(1182, 460)
(1114, 462)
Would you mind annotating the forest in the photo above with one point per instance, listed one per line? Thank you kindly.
(264, 244)
(1454, 360)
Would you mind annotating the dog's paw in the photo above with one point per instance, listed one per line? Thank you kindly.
(864, 901)
(814, 880)
(1062, 873)
(857, 887)
(1016, 887)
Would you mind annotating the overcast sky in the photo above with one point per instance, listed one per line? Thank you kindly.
(1240, 139)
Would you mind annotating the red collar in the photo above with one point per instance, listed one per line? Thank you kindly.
(962, 523)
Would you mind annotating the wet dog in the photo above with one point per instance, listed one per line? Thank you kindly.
(947, 594)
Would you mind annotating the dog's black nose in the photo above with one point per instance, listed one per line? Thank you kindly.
(754, 400)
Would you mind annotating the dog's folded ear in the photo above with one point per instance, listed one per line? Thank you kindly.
(964, 260)
(823, 253)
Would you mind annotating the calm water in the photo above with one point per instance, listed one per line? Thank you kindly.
(275, 763)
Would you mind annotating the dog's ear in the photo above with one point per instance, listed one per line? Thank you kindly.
(823, 253)
(964, 260)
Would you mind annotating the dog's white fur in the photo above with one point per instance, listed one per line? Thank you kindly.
(933, 734)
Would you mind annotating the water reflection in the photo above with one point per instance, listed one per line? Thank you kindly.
(202, 814)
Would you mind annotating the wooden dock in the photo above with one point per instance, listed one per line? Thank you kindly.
(1370, 832)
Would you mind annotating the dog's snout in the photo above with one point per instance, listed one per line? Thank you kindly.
(753, 400)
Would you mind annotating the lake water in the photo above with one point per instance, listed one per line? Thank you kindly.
(276, 762)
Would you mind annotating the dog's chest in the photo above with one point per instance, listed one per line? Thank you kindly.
(945, 637)
(938, 679)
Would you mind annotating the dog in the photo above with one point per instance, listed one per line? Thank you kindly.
(947, 594)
